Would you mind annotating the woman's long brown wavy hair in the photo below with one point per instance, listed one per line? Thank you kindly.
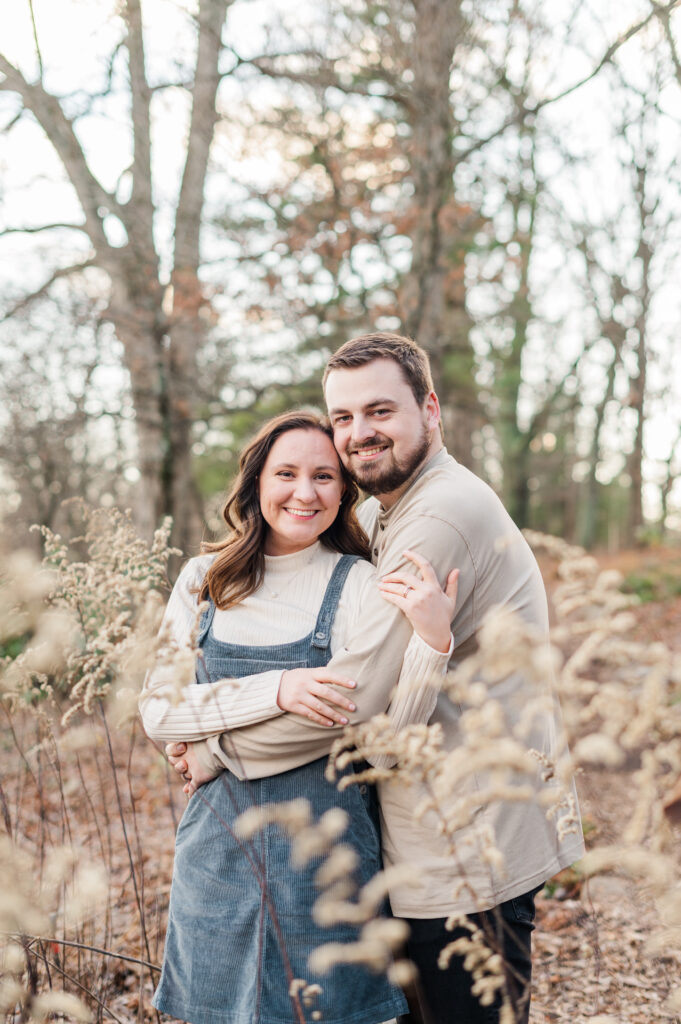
(240, 564)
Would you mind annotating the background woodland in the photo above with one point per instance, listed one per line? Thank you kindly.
(203, 199)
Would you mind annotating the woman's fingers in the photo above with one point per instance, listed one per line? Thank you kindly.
(423, 564)
(331, 696)
(175, 749)
(398, 587)
(315, 715)
(452, 585)
(323, 675)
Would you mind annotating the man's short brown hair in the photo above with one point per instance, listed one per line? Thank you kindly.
(410, 357)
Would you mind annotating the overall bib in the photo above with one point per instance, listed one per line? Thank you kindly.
(238, 910)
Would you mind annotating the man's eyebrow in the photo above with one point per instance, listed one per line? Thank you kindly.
(369, 405)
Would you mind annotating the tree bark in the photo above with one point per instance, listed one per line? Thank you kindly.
(433, 295)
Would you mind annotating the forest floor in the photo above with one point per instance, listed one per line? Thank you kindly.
(590, 955)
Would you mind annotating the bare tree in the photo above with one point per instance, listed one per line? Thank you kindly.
(158, 321)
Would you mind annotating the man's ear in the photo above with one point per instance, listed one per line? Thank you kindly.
(432, 409)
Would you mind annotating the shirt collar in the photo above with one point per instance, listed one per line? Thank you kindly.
(432, 463)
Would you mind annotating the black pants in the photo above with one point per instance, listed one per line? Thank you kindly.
(444, 997)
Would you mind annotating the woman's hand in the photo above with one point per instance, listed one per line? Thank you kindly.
(429, 608)
(304, 691)
(185, 762)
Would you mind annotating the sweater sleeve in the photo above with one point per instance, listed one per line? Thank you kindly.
(172, 706)
(373, 656)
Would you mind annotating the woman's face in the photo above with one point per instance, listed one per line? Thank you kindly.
(300, 490)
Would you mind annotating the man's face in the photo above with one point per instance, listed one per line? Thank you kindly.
(380, 432)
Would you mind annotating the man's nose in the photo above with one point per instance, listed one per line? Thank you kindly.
(361, 430)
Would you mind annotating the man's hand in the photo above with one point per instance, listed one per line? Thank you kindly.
(305, 691)
(183, 758)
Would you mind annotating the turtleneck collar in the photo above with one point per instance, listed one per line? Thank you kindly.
(296, 560)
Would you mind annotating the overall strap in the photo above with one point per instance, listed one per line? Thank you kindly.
(321, 635)
(205, 621)
(204, 625)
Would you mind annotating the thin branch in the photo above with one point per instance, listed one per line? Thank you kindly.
(74, 981)
(42, 227)
(662, 13)
(47, 110)
(608, 55)
(35, 39)
(45, 287)
(93, 949)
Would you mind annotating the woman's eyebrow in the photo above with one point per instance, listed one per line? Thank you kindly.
(293, 465)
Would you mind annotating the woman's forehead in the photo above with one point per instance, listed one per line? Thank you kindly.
(297, 446)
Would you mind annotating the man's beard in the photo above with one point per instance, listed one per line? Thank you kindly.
(386, 479)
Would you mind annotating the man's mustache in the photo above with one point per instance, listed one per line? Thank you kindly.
(371, 443)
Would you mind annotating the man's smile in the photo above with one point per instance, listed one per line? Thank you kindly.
(366, 454)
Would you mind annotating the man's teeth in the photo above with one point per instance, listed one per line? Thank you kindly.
(364, 452)
(301, 513)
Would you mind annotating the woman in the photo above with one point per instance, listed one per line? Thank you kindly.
(240, 925)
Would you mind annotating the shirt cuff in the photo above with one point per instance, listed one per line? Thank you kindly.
(421, 656)
(205, 752)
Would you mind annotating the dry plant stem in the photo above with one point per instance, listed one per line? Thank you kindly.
(6, 816)
(47, 966)
(105, 809)
(138, 844)
(43, 808)
(32, 975)
(74, 981)
(121, 815)
(22, 755)
(95, 819)
(592, 919)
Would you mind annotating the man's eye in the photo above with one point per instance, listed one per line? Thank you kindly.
(340, 420)
(381, 412)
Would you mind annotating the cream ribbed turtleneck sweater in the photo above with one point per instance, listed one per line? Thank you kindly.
(283, 609)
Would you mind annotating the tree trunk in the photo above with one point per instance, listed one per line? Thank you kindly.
(433, 295)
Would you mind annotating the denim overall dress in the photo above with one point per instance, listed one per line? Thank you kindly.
(239, 921)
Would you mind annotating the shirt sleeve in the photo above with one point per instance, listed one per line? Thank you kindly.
(373, 656)
(172, 705)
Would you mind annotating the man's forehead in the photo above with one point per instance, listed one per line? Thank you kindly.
(381, 381)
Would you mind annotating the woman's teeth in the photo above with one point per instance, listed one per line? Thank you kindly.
(302, 514)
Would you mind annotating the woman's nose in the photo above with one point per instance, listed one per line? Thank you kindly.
(305, 489)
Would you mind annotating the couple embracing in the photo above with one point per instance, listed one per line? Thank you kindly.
(325, 621)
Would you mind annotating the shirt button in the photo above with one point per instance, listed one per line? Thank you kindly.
(362, 789)
(381, 527)
(376, 552)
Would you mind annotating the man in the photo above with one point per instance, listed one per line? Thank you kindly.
(386, 421)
